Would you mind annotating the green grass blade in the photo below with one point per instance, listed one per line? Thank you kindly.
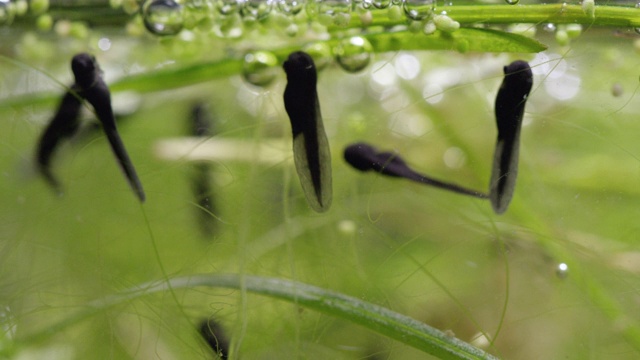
(373, 317)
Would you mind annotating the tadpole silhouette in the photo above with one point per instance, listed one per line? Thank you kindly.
(200, 126)
(509, 110)
(213, 334)
(311, 152)
(89, 86)
(365, 157)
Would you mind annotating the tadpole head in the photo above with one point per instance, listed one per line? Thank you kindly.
(361, 156)
(85, 69)
(519, 74)
(300, 66)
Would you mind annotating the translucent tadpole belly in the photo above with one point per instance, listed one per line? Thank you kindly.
(89, 86)
(310, 145)
(509, 110)
(365, 157)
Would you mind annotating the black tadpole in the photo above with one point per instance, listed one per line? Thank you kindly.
(509, 110)
(310, 144)
(89, 86)
(212, 333)
(200, 122)
(365, 157)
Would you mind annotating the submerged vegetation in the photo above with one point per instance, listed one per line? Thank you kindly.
(394, 269)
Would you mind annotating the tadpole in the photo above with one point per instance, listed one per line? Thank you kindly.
(509, 110)
(365, 157)
(213, 334)
(89, 86)
(311, 152)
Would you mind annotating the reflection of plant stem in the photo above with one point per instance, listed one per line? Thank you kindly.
(373, 317)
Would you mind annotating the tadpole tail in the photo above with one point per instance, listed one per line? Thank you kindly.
(63, 125)
(504, 174)
(124, 161)
(423, 179)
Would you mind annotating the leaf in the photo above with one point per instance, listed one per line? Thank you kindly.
(373, 317)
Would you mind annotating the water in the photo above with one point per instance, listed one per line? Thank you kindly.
(163, 17)
(353, 54)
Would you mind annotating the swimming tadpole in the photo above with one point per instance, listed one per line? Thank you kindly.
(311, 152)
(365, 157)
(509, 110)
(88, 86)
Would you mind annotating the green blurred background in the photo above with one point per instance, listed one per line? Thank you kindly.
(441, 258)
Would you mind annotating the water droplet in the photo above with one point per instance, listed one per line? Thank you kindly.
(512, 2)
(549, 27)
(228, 7)
(381, 4)
(104, 44)
(197, 13)
(418, 9)
(6, 12)
(229, 27)
(353, 54)
(256, 9)
(290, 7)
(163, 17)
(334, 12)
(562, 271)
(260, 68)
(321, 54)
(454, 158)
(617, 90)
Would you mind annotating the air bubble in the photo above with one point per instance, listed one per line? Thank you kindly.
(228, 27)
(562, 270)
(6, 12)
(256, 9)
(290, 7)
(197, 13)
(163, 17)
(260, 68)
(418, 9)
(321, 54)
(227, 7)
(336, 12)
(353, 54)
(381, 4)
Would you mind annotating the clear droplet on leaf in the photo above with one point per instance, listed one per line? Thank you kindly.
(228, 27)
(290, 7)
(260, 68)
(256, 9)
(163, 17)
(333, 11)
(353, 54)
(227, 7)
(512, 2)
(418, 9)
(381, 4)
(321, 54)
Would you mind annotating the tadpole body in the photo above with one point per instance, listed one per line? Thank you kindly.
(365, 157)
(201, 124)
(214, 336)
(89, 86)
(311, 152)
(509, 111)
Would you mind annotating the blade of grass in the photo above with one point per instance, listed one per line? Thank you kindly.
(373, 317)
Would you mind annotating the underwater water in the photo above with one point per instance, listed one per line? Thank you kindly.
(556, 276)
